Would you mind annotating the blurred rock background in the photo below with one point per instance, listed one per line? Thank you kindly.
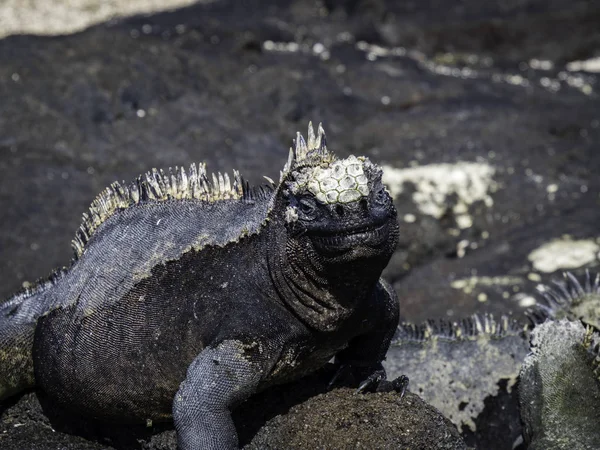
(485, 116)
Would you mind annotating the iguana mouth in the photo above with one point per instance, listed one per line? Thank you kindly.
(371, 235)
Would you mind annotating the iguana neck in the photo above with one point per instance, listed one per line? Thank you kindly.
(320, 295)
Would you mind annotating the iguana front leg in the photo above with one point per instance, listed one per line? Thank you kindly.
(365, 352)
(217, 379)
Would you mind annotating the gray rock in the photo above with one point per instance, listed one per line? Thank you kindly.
(468, 370)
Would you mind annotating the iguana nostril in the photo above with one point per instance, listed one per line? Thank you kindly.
(339, 209)
(364, 206)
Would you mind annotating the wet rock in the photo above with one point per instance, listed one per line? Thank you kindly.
(499, 275)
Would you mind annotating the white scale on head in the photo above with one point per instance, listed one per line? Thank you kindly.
(334, 181)
(343, 181)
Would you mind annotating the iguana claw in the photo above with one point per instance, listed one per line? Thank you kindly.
(372, 382)
(377, 380)
(338, 374)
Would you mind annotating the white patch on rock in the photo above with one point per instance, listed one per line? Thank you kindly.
(61, 17)
(409, 218)
(534, 277)
(589, 65)
(564, 253)
(436, 183)
(467, 285)
(524, 300)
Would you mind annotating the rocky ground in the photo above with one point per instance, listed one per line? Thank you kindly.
(485, 117)
(307, 416)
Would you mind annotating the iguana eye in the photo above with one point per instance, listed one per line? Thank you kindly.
(381, 196)
(307, 206)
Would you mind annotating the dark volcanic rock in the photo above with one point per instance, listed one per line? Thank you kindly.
(301, 416)
(24, 425)
(341, 419)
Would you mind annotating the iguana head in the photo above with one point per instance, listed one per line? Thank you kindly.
(339, 207)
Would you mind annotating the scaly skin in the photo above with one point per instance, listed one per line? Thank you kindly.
(559, 389)
(187, 296)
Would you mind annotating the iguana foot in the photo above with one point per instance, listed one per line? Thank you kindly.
(349, 374)
(376, 382)
(339, 374)
(399, 385)
(372, 382)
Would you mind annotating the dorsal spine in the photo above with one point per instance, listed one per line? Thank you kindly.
(156, 186)
(470, 328)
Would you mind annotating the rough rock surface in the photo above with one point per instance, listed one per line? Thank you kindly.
(340, 419)
(486, 115)
(468, 371)
(300, 416)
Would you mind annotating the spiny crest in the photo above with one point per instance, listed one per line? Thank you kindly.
(312, 169)
(570, 298)
(469, 328)
(310, 152)
(157, 186)
(570, 291)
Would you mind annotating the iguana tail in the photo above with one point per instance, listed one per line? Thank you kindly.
(18, 319)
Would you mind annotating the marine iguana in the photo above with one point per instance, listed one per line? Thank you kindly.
(467, 369)
(559, 388)
(559, 383)
(186, 295)
(571, 299)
